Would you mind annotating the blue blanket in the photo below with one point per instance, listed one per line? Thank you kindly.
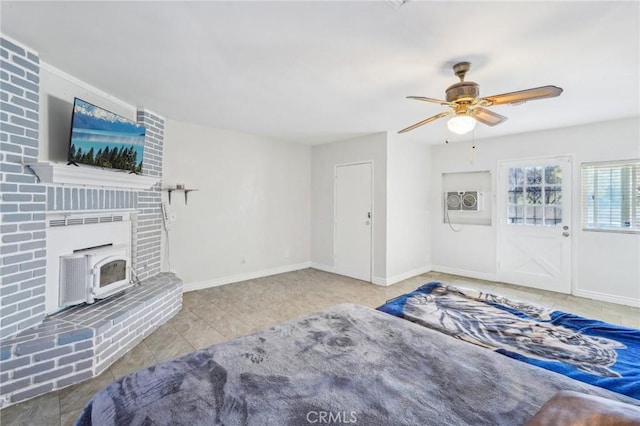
(588, 350)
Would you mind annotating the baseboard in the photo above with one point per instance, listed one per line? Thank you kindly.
(379, 281)
(199, 285)
(321, 267)
(620, 300)
(465, 273)
(400, 277)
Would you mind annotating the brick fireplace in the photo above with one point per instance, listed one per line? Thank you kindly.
(39, 353)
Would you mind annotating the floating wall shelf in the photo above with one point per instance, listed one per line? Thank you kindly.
(173, 188)
(61, 173)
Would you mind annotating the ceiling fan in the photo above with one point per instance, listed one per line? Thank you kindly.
(467, 108)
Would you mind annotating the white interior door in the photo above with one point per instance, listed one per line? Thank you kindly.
(353, 222)
(535, 223)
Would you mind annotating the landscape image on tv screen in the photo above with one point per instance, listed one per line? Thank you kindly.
(102, 138)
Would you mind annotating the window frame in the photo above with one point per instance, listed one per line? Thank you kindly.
(629, 196)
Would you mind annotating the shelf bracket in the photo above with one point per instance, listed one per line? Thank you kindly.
(186, 193)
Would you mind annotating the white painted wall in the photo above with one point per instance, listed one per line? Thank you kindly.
(324, 158)
(250, 215)
(408, 202)
(271, 203)
(606, 265)
(57, 91)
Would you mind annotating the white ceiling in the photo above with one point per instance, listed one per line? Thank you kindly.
(314, 72)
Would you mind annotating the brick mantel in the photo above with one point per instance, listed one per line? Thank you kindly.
(29, 199)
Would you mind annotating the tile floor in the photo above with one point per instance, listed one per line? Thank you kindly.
(217, 314)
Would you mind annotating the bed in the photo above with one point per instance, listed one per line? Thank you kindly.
(345, 365)
(584, 349)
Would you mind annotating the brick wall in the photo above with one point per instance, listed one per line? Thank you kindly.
(25, 202)
(82, 198)
(23, 243)
(146, 253)
(38, 355)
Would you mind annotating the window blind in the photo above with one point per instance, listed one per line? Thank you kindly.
(611, 196)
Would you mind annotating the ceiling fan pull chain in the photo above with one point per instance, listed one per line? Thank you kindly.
(473, 147)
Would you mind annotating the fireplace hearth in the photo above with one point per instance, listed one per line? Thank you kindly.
(84, 340)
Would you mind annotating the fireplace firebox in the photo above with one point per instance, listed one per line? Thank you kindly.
(89, 257)
(94, 273)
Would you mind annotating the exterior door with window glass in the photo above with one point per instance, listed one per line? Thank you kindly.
(534, 218)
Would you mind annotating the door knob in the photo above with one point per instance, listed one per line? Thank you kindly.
(565, 234)
(566, 228)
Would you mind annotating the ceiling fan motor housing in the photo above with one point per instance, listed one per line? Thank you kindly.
(465, 91)
(464, 98)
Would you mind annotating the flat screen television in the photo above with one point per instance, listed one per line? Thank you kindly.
(105, 139)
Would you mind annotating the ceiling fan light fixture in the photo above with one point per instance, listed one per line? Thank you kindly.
(463, 98)
(461, 124)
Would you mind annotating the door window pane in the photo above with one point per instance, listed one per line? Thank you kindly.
(552, 194)
(515, 196)
(535, 196)
(516, 215)
(516, 176)
(533, 215)
(553, 175)
(552, 216)
(534, 175)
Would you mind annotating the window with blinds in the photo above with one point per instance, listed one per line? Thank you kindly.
(611, 196)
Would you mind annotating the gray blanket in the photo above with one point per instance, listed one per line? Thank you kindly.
(345, 365)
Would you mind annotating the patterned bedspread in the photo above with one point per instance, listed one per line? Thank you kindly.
(345, 365)
(584, 349)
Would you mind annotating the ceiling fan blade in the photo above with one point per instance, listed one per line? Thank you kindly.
(423, 122)
(422, 98)
(521, 96)
(487, 117)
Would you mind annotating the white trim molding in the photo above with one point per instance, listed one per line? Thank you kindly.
(321, 267)
(200, 285)
(379, 281)
(84, 85)
(464, 273)
(61, 173)
(620, 300)
(401, 277)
